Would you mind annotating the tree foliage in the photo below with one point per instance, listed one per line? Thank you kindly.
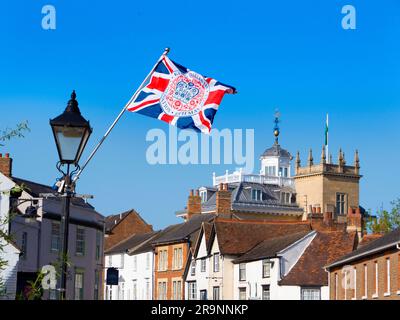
(386, 221)
(17, 132)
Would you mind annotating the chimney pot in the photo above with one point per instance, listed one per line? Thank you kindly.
(6, 165)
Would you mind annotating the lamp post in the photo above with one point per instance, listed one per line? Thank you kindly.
(71, 133)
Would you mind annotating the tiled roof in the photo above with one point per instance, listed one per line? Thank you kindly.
(389, 240)
(113, 220)
(324, 248)
(187, 230)
(130, 243)
(369, 238)
(269, 248)
(207, 231)
(238, 237)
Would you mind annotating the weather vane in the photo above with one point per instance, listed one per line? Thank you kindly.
(276, 126)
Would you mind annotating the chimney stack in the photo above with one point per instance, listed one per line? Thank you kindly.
(193, 204)
(223, 201)
(6, 164)
(328, 219)
(354, 220)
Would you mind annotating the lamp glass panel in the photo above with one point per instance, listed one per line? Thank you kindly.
(69, 140)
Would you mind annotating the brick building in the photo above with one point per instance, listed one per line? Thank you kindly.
(122, 226)
(370, 272)
(171, 253)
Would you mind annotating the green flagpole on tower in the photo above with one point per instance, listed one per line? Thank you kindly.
(327, 137)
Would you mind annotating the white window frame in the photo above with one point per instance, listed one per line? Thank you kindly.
(80, 231)
(376, 269)
(365, 281)
(216, 267)
(263, 287)
(203, 265)
(193, 268)
(312, 291)
(242, 290)
(192, 290)
(242, 271)
(388, 284)
(266, 268)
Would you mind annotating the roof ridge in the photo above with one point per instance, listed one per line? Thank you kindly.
(30, 181)
(255, 221)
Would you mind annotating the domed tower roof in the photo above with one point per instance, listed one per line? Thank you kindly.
(276, 151)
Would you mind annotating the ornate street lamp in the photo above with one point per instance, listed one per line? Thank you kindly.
(71, 133)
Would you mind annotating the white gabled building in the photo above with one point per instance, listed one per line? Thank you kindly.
(271, 260)
(258, 272)
(290, 267)
(134, 259)
(9, 252)
(210, 269)
(8, 274)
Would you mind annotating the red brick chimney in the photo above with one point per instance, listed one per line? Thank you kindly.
(6, 164)
(223, 201)
(354, 220)
(193, 204)
(328, 219)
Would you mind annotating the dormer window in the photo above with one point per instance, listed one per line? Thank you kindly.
(203, 195)
(256, 195)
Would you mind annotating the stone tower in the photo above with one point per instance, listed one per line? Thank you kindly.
(329, 188)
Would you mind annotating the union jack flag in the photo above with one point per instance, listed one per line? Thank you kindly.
(180, 97)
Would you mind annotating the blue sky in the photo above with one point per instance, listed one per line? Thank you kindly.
(288, 54)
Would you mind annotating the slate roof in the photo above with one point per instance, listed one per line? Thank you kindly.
(269, 248)
(238, 237)
(325, 248)
(389, 240)
(130, 243)
(276, 151)
(35, 189)
(242, 201)
(185, 231)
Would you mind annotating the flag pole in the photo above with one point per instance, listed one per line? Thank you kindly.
(119, 117)
(327, 137)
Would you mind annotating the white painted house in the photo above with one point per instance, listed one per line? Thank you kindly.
(248, 260)
(258, 272)
(9, 252)
(210, 270)
(134, 260)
